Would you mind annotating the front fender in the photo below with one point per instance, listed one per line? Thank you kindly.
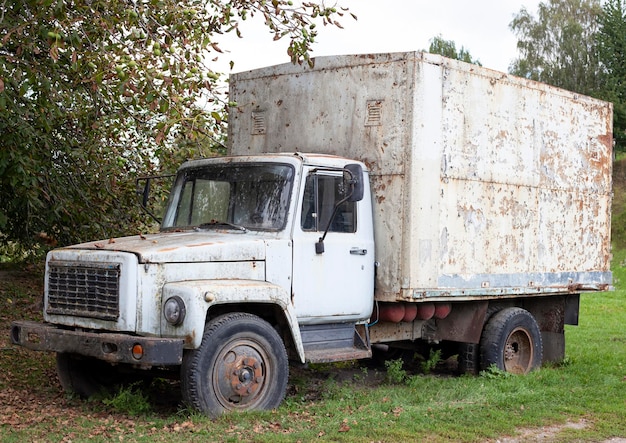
(200, 295)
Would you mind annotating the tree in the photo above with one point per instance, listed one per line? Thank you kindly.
(94, 91)
(612, 49)
(559, 46)
(447, 48)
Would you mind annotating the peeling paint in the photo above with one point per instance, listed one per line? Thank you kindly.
(472, 171)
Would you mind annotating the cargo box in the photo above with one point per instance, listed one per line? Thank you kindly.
(484, 184)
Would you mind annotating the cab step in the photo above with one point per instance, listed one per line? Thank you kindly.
(335, 342)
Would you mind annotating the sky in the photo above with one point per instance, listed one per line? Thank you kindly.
(480, 26)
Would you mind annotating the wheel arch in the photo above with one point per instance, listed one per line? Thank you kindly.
(272, 313)
(207, 299)
(551, 314)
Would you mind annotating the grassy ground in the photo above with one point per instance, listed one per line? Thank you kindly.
(584, 399)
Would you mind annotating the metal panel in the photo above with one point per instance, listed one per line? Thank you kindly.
(327, 109)
(487, 228)
(525, 184)
(388, 195)
(386, 331)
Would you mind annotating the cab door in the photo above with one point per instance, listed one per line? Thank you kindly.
(336, 285)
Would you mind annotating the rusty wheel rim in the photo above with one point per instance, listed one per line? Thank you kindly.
(240, 374)
(518, 352)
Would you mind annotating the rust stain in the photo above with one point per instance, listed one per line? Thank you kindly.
(606, 139)
(189, 338)
(168, 249)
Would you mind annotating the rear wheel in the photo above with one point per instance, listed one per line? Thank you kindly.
(512, 342)
(240, 365)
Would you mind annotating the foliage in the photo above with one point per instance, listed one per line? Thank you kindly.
(15, 252)
(130, 400)
(612, 49)
(94, 91)
(558, 47)
(395, 372)
(493, 372)
(618, 225)
(429, 364)
(447, 48)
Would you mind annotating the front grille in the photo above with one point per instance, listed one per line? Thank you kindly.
(84, 290)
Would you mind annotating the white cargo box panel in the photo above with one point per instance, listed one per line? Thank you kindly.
(483, 183)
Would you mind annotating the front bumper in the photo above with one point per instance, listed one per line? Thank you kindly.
(111, 347)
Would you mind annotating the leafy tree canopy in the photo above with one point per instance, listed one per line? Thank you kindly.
(612, 50)
(94, 91)
(558, 46)
(447, 48)
(577, 45)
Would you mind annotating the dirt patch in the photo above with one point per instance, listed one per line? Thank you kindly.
(547, 434)
(543, 434)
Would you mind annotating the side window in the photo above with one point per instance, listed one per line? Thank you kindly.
(321, 194)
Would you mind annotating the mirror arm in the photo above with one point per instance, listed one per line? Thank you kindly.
(145, 194)
(319, 246)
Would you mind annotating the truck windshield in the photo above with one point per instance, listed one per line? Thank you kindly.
(245, 196)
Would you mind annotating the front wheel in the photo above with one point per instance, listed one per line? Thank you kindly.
(512, 342)
(241, 364)
(85, 376)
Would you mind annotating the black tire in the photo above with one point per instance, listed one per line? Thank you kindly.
(511, 341)
(469, 353)
(469, 358)
(240, 365)
(86, 376)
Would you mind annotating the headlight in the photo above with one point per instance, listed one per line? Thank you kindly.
(174, 310)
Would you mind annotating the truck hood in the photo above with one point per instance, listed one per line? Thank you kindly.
(182, 247)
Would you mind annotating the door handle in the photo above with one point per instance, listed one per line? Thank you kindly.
(358, 251)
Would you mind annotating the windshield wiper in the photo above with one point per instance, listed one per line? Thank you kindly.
(218, 224)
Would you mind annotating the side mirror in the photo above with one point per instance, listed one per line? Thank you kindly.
(144, 191)
(353, 178)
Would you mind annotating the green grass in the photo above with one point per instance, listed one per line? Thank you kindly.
(350, 403)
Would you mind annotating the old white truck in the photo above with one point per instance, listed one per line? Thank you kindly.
(371, 203)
